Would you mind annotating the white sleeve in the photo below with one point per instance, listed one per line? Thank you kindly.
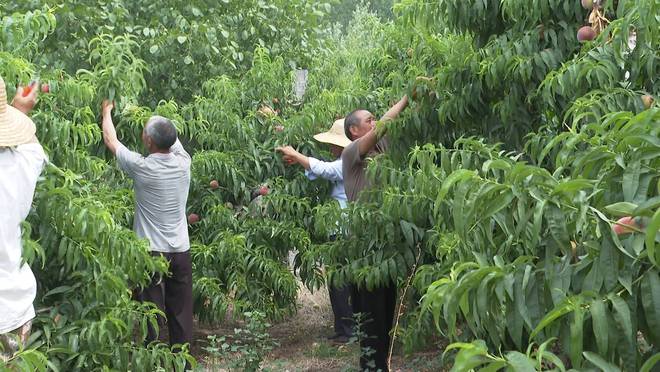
(178, 150)
(310, 175)
(331, 171)
(34, 158)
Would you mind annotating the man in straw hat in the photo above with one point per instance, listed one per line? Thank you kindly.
(376, 304)
(161, 181)
(21, 161)
(331, 171)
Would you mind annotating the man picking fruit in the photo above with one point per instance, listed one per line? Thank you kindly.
(378, 304)
(21, 161)
(331, 171)
(161, 181)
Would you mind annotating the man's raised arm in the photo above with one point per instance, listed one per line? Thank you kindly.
(178, 150)
(109, 132)
(369, 140)
(395, 110)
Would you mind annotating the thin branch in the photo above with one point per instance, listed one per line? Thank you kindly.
(401, 301)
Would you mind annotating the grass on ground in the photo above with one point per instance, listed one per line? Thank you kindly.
(303, 344)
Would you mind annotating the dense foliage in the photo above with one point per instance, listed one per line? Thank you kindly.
(197, 39)
(520, 150)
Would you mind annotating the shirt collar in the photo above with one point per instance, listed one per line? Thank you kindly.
(160, 155)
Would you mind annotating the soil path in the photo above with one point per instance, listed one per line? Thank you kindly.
(303, 345)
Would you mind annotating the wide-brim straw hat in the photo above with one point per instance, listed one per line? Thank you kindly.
(335, 136)
(16, 128)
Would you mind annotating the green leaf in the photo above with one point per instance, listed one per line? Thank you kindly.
(651, 231)
(646, 208)
(601, 363)
(576, 337)
(495, 164)
(58, 290)
(623, 321)
(609, 262)
(621, 313)
(406, 228)
(566, 306)
(557, 225)
(650, 363)
(520, 362)
(542, 355)
(630, 182)
(621, 209)
(493, 366)
(572, 185)
(600, 325)
(392, 270)
(497, 203)
(456, 176)
(594, 279)
(650, 296)
(471, 355)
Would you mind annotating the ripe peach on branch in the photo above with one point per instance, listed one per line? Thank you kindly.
(193, 218)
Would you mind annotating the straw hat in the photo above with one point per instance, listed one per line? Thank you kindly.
(15, 127)
(335, 135)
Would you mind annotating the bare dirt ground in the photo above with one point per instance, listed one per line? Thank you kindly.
(303, 346)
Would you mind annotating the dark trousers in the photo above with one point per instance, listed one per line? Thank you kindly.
(377, 307)
(173, 295)
(341, 308)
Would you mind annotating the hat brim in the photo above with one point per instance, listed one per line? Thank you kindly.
(332, 139)
(16, 128)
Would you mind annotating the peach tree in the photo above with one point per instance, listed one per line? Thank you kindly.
(515, 229)
(520, 150)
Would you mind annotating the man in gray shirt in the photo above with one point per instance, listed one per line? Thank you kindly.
(161, 181)
(376, 304)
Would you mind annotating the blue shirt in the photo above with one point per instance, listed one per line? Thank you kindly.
(331, 171)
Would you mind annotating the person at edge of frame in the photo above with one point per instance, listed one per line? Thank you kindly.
(22, 160)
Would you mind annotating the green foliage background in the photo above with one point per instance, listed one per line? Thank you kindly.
(520, 149)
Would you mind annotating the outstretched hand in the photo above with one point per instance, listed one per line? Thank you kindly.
(107, 106)
(289, 154)
(428, 82)
(26, 97)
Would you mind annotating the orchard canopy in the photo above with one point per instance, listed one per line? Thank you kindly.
(527, 138)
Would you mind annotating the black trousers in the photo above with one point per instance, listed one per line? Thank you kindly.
(341, 308)
(173, 295)
(377, 306)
